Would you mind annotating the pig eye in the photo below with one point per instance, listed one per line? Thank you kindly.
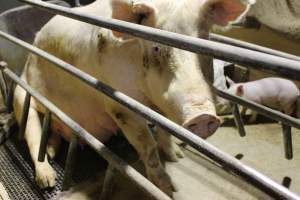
(156, 49)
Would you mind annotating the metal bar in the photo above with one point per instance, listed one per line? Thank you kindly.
(258, 180)
(288, 142)
(257, 60)
(45, 136)
(254, 47)
(10, 96)
(140, 181)
(108, 183)
(24, 116)
(70, 163)
(238, 120)
(3, 86)
(273, 114)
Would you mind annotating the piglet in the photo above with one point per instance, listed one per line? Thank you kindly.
(277, 93)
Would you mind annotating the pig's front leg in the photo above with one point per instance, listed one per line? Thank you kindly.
(169, 148)
(253, 116)
(135, 129)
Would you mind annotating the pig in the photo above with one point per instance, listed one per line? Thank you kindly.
(166, 79)
(277, 93)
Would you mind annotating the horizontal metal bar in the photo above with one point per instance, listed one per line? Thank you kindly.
(257, 60)
(258, 180)
(268, 112)
(254, 47)
(125, 169)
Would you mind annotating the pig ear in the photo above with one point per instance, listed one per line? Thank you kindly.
(225, 11)
(136, 11)
(229, 81)
(240, 90)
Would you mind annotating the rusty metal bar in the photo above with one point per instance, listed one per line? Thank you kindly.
(45, 136)
(139, 180)
(24, 116)
(70, 163)
(107, 187)
(288, 141)
(238, 120)
(258, 180)
(257, 60)
(254, 47)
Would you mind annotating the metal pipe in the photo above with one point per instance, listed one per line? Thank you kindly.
(249, 174)
(24, 116)
(238, 120)
(10, 96)
(108, 183)
(125, 169)
(45, 136)
(257, 60)
(3, 86)
(254, 47)
(288, 142)
(70, 163)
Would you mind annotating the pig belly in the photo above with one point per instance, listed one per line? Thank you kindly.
(89, 113)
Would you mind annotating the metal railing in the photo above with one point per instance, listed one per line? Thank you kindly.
(283, 66)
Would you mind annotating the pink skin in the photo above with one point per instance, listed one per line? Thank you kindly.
(277, 93)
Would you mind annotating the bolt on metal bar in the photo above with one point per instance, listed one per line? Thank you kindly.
(257, 60)
(45, 136)
(108, 183)
(238, 120)
(139, 180)
(24, 116)
(254, 47)
(288, 141)
(258, 180)
(70, 163)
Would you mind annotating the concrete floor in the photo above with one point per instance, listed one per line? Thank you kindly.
(198, 178)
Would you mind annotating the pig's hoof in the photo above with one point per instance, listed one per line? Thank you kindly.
(164, 182)
(51, 151)
(45, 175)
(173, 154)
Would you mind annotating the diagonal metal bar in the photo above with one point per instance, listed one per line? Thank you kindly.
(260, 181)
(238, 120)
(257, 60)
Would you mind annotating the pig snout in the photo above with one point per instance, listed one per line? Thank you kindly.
(203, 125)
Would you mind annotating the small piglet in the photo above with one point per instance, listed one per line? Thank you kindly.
(277, 93)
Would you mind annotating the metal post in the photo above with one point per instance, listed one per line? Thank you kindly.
(238, 120)
(45, 136)
(108, 183)
(24, 116)
(288, 142)
(3, 86)
(70, 163)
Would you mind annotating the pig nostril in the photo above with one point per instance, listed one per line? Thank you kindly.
(192, 127)
(212, 126)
